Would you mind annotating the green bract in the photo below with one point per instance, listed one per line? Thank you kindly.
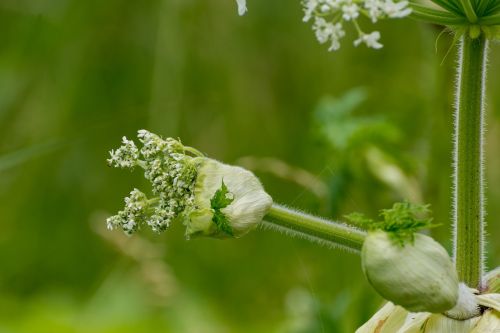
(418, 276)
(210, 198)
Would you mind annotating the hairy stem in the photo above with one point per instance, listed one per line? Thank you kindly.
(314, 228)
(468, 210)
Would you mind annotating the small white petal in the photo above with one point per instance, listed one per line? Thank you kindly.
(242, 7)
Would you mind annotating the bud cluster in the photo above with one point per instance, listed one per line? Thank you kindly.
(330, 15)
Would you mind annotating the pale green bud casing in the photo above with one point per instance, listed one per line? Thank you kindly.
(247, 202)
(419, 275)
(395, 319)
(492, 280)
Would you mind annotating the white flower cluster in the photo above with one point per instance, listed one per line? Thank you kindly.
(126, 156)
(172, 174)
(330, 15)
(134, 213)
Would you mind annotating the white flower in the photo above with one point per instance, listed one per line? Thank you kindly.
(242, 7)
(374, 9)
(309, 8)
(172, 174)
(325, 8)
(396, 9)
(326, 31)
(371, 40)
(124, 157)
(330, 15)
(350, 11)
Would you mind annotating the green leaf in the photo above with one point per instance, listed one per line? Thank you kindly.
(360, 219)
(449, 6)
(401, 221)
(222, 223)
(221, 199)
(337, 125)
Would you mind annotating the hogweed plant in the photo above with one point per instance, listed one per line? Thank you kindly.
(426, 289)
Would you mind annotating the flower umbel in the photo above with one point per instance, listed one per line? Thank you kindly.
(172, 173)
(210, 198)
(329, 17)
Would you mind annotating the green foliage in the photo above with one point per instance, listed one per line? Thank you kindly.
(221, 199)
(24, 155)
(363, 147)
(343, 130)
(401, 221)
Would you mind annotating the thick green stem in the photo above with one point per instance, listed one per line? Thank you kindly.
(314, 228)
(468, 210)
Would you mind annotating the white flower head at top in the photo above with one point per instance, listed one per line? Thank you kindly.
(329, 17)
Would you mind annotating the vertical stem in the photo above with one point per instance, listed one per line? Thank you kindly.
(468, 210)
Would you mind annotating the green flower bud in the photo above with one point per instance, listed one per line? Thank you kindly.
(230, 201)
(417, 275)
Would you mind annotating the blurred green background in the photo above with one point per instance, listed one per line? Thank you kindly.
(330, 133)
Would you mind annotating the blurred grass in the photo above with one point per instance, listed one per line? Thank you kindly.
(75, 76)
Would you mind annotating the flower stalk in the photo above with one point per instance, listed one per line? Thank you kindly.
(314, 228)
(468, 208)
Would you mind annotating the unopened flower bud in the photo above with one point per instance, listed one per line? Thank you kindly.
(417, 275)
(230, 201)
